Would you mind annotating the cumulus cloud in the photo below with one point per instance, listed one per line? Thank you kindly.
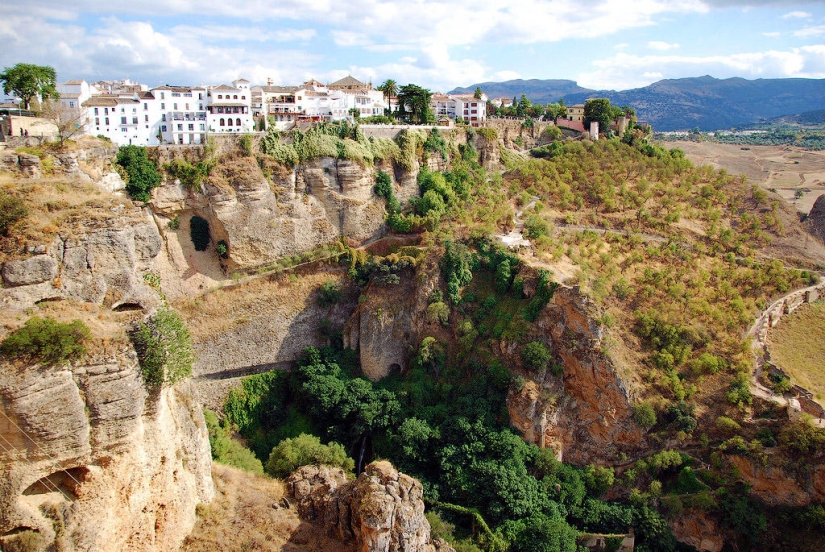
(656, 45)
(810, 31)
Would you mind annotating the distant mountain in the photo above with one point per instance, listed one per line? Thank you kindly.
(680, 104)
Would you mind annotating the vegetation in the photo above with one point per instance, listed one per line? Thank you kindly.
(414, 104)
(27, 82)
(164, 348)
(141, 173)
(290, 454)
(796, 347)
(47, 341)
(12, 211)
(227, 450)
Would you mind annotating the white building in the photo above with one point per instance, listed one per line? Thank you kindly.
(74, 92)
(178, 114)
(460, 106)
(229, 108)
(120, 119)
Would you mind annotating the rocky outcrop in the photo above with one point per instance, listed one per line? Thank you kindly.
(585, 415)
(773, 485)
(816, 219)
(382, 510)
(93, 461)
(102, 265)
(697, 529)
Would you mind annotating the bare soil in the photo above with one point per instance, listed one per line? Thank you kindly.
(242, 517)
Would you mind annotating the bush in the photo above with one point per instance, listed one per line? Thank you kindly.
(383, 188)
(47, 341)
(727, 424)
(199, 232)
(164, 348)
(536, 227)
(329, 294)
(438, 312)
(290, 454)
(245, 142)
(535, 356)
(12, 211)
(644, 415)
(227, 450)
(142, 174)
(223, 249)
(174, 222)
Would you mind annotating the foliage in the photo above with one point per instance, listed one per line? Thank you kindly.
(47, 341)
(456, 268)
(414, 104)
(174, 222)
(29, 81)
(199, 232)
(290, 454)
(742, 515)
(12, 211)
(190, 175)
(227, 450)
(284, 154)
(164, 347)
(536, 227)
(544, 292)
(142, 174)
(329, 294)
(383, 188)
(644, 415)
(438, 312)
(535, 356)
(599, 110)
(223, 249)
(488, 133)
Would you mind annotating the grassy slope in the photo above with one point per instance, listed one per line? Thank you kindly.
(798, 347)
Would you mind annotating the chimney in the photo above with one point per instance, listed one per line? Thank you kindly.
(268, 81)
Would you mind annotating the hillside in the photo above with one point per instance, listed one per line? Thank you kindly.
(680, 104)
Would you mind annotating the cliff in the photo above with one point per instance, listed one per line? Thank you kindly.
(93, 461)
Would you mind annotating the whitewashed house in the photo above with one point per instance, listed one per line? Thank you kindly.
(177, 114)
(229, 108)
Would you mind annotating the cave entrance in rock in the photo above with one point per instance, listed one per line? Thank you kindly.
(65, 482)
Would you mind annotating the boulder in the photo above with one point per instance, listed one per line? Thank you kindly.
(34, 270)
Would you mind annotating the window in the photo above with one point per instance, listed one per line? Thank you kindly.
(163, 128)
(97, 120)
(106, 110)
(134, 120)
(123, 110)
(229, 122)
(162, 95)
(123, 120)
(187, 107)
(96, 113)
(235, 97)
(200, 107)
(191, 126)
(220, 96)
(243, 97)
(200, 95)
(223, 122)
(238, 122)
(180, 127)
(146, 118)
(145, 106)
(107, 120)
(134, 110)
(123, 129)
(163, 117)
(175, 106)
(203, 126)
(71, 104)
(163, 106)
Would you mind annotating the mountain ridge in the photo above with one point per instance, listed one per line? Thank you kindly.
(685, 103)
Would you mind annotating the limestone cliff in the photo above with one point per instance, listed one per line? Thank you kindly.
(92, 461)
(382, 510)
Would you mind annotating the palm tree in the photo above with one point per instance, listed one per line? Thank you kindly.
(390, 89)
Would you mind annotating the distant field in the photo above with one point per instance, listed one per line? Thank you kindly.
(797, 345)
(786, 169)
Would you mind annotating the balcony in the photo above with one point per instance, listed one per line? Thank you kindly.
(187, 116)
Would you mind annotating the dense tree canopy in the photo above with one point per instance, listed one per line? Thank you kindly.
(414, 103)
(29, 81)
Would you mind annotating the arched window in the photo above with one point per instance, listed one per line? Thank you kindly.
(238, 121)
(223, 123)
(235, 97)
(230, 121)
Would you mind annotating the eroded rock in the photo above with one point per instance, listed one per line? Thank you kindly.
(34, 270)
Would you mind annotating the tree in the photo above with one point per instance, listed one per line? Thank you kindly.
(599, 110)
(164, 348)
(415, 100)
(291, 454)
(477, 94)
(390, 89)
(68, 120)
(140, 170)
(556, 110)
(29, 81)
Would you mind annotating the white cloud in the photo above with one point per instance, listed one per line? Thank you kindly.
(796, 15)
(347, 39)
(504, 76)
(622, 46)
(218, 33)
(623, 71)
(662, 46)
(774, 34)
(810, 31)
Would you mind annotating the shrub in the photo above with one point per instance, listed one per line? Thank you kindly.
(164, 348)
(174, 222)
(383, 188)
(47, 341)
(644, 415)
(727, 424)
(12, 211)
(438, 312)
(227, 450)
(536, 227)
(290, 454)
(141, 172)
(199, 232)
(535, 355)
(329, 294)
(245, 142)
(223, 249)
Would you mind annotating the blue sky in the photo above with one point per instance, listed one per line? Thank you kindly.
(601, 44)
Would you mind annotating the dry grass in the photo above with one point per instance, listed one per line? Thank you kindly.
(797, 345)
(57, 204)
(242, 518)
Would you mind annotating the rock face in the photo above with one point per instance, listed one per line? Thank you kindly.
(382, 509)
(102, 266)
(93, 461)
(586, 414)
(816, 219)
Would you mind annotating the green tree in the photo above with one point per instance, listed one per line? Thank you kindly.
(29, 81)
(600, 110)
(290, 454)
(227, 450)
(141, 172)
(164, 348)
(390, 89)
(644, 415)
(535, 355)
(478, 93)
(414, 104)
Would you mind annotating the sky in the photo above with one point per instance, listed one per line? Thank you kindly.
(601, 44)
